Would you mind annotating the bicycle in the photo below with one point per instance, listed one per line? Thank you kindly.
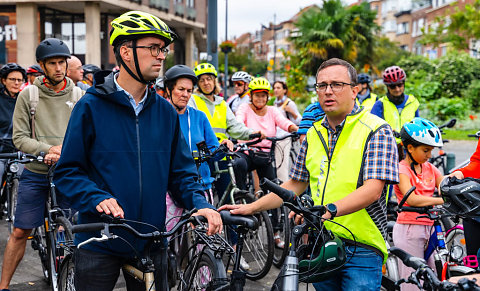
(445, 257)
(259, 244)
(205, 269)
(10, 183)
(53, 240)
(326, 246)
(424, 273)
(282, 226)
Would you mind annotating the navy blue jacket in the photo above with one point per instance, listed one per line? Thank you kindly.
(108, 152)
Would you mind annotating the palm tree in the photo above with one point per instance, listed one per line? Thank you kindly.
(336, 31)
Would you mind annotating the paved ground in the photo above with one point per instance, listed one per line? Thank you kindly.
(29, 274)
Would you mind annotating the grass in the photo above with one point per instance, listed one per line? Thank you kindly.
(458, 134)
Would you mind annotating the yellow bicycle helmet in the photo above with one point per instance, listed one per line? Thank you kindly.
(135, 24)
(259, 84)
(205, 68)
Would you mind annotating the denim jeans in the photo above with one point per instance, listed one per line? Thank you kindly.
(98, 271)
(362, 272)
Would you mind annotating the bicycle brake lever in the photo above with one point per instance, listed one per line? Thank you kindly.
(103, 238)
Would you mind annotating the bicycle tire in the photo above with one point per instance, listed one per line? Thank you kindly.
(39, 243)
(279, 254)
(258, 246)
(66, 274)
(204, 273)
(12, 204)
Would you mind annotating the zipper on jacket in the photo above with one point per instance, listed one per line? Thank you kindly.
(139, 164)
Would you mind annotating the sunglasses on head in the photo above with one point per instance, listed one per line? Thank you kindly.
(393, 86)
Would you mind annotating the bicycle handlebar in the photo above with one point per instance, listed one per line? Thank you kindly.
(423, 271)
(286, 195)
(293, 135)
(21, 157)
(405, 197)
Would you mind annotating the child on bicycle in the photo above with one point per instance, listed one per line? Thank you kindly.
(419, 138)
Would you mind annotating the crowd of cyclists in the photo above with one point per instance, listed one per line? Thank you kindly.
(122, 149)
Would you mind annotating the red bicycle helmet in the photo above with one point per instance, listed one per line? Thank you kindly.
(35, 69)
(393, 75)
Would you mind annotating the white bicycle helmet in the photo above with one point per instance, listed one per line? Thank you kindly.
(241, 76)
(421, 131)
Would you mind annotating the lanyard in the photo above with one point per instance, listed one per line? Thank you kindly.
(189, 132)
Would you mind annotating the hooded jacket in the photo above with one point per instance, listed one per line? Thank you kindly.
(109, 152)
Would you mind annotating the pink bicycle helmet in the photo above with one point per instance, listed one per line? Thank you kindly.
(393, 75)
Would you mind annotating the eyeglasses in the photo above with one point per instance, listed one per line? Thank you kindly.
(14, 80)
(155, 49)
(205, 79)
(238, 84)
(393, 86)
(335, 86)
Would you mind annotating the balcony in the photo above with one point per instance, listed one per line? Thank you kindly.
(179, 9)
(191, 13)
(163, 5)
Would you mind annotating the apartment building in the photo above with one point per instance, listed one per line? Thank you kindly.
(85, 26)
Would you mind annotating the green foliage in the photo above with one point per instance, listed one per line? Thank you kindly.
(386, 54)
(445, 108)
(335, 31)
(473, 93)
(464, 25)
(292, 69)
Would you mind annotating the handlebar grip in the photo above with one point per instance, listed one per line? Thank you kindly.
(407, 259)
(286, 195)
(406, 196)
(88, 227)
(16, 155)
(254, 135)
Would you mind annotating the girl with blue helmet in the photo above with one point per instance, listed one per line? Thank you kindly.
(419, 138)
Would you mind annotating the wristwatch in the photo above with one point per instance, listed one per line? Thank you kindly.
(332, 208)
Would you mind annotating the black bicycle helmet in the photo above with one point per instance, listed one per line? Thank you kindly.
(52, 47)
(363, 78)
(35, 69)
(461, 197)
(179, 71)
(12, 67)
(90, 69)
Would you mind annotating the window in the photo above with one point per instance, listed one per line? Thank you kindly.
(70, 28)
(191, 3)
(402, 28)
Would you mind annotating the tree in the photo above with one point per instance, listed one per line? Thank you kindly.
(463, 26)
(335, 31)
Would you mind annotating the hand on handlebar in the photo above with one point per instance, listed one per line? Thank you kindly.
(214, 219)
(110, 206)
(51, 159)
(262, 135)
(238, 209)
(459, 175)
(228, 143)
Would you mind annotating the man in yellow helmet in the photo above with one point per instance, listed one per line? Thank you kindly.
(123, 150)
(346, 158)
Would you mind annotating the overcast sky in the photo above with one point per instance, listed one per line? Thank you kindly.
(248, 15)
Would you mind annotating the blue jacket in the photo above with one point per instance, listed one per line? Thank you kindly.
(108, 152)
(196, 122)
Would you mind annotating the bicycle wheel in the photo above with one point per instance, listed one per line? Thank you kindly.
(66, 274)
(283, 232)
(39, 243)
(12, 204)
(204, 273)
(60, 242)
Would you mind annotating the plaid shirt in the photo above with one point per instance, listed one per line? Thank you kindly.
(381, 161)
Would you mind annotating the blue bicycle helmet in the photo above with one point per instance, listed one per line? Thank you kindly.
(421, 131)
(364, 78)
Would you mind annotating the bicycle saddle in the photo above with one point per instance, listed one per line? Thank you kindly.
(248, 221)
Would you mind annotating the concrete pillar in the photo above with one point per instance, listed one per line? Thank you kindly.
(189, 47)
(27, 33)
(92, 22)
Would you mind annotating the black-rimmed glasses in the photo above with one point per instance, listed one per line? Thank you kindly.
(393, 86)
(335, 86)
(154, 49)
